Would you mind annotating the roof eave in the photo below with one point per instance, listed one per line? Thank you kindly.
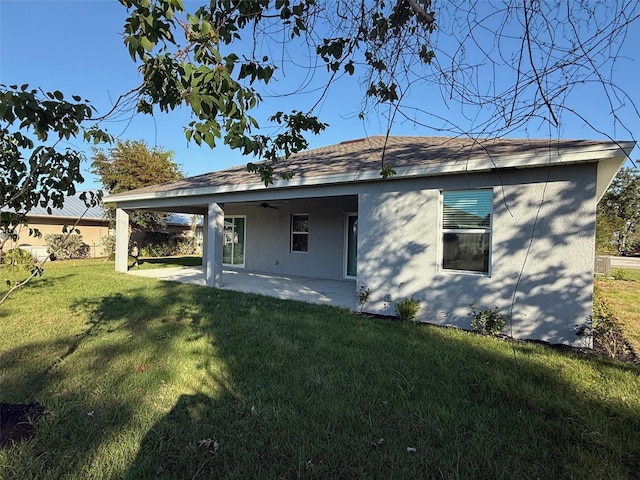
(613, 154)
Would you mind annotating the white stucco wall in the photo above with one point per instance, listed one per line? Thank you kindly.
(543, 241)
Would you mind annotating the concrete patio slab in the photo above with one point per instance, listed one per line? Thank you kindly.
(340, 293)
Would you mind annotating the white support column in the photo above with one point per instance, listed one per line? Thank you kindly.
(213, 232)
(205, 239)
(122, 240)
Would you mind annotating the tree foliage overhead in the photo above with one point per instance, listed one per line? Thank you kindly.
(34, 170)
(503, 64)
(619, 210)
(132, 164)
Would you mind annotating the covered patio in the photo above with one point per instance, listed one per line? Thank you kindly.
(340, 293)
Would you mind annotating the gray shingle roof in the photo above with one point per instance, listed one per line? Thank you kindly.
(367, 154)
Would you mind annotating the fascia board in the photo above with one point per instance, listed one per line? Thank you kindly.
(72, 218)
(476, 164)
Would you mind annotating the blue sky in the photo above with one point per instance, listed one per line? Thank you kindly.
(76, 47)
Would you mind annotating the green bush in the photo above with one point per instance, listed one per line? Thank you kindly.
(619, 274)
(66, 247)
(407, 308)
(363, 296)
(187, 246)
(606, 328)
(17, 262)
(160, 244)
(109, 247)
(487, 321)
(16, 256)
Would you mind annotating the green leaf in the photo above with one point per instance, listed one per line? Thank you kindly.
(146, 44)
(349, 68)
(210, 139)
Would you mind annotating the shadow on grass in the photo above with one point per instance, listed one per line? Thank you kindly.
(145, 263)
(329, 395)
(290, 390)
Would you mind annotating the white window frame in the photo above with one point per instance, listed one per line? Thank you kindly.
(479, 230)
(292, 232)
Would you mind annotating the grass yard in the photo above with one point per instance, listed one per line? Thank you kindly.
(149, 379)
(622, 292)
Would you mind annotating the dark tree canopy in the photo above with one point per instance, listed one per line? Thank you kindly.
(132, 164)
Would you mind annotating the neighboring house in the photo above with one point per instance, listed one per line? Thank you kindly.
(93, 226)
(506, 223)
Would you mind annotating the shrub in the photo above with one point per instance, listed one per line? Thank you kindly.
(362, 296)
(487, 321)
(67, 247)
(109, 247)
(157, 244)
(16, 256)
(606, 328)
(407, 308)
(160, 244)
(618, 274)
(15, 262)
(187, 246)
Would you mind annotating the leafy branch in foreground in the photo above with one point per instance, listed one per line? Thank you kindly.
(222, 89)
(34, 170)
(505, 64)
(36, 269)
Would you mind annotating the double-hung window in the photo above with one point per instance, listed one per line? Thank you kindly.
(300, 232)
(466, 230)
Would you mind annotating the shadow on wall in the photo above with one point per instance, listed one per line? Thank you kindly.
(542, 253)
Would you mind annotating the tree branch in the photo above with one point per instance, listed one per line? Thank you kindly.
(420, 12)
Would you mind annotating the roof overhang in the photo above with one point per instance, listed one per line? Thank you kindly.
(610, 156)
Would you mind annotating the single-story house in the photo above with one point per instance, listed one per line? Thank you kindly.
(92, 222)
(493, 222)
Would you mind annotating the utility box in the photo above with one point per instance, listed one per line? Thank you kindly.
(602, 266)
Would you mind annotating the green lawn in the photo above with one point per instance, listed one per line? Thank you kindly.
(149, 379)
(623, 295)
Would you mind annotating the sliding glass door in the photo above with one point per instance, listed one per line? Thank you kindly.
(351, 241)
(234, 241)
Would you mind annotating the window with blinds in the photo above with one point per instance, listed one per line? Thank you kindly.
(466, 230)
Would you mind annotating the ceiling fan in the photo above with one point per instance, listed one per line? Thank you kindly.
(268, 205)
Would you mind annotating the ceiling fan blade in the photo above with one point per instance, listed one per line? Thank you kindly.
(267, 205)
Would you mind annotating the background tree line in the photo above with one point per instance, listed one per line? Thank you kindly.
(618, 215)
